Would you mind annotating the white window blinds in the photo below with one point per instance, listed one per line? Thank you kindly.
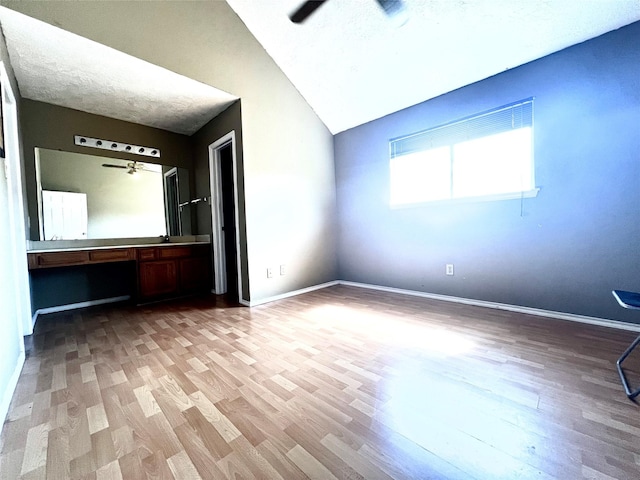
(509, 117)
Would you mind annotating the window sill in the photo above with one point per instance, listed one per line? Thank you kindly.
(484, 198)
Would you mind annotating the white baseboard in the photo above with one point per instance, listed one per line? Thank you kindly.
(7, 395)
(254, 303)
(74, 306)
(602, 322)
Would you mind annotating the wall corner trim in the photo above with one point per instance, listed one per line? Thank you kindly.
(255, 303)
(602, 322)
(7, 395)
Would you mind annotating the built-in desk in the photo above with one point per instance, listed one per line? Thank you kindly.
(66, 258)
(161, 271)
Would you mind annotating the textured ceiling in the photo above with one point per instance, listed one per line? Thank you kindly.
(353, 65)
(349, 61)
(54, 66)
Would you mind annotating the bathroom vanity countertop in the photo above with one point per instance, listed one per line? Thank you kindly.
(111, 247)
(102, 244)
(92, 254)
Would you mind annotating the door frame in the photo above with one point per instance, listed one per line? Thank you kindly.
(172, 173)
(217, 218)
(17, 215)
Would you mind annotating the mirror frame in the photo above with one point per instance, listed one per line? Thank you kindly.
(184, 217)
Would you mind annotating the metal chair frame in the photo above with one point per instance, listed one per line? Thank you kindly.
(627, 300)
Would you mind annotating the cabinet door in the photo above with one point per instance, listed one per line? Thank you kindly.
(194, 274)
(158, 278)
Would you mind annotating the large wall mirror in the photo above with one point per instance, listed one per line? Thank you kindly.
(91, 197)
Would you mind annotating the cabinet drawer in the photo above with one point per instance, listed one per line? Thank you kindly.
(147, 254)
(56, 259)
(173, 252)
(111, 255)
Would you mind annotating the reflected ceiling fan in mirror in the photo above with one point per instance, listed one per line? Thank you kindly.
(394, 9)
(131, 167)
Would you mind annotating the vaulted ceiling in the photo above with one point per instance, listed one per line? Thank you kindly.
(354, 64)
(350, 61)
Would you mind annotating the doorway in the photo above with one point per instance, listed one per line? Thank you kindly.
(171, 203)
(17, 212)
(224, 217)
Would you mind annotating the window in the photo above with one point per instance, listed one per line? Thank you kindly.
(486, 156)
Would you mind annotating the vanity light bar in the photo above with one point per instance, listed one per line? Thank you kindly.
(116, 146)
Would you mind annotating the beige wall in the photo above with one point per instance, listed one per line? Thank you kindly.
(228, 121)
(288, 152)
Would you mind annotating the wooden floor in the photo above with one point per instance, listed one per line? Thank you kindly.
(340, 383)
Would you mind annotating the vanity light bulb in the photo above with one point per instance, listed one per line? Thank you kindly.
(116, 146)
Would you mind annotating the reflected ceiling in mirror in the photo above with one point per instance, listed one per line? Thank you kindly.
(124, 199)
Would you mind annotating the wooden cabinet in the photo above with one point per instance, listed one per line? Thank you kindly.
(157, 278)
(194, 273)
(162, 271)
(173, 271)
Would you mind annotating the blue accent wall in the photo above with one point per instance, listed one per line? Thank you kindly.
(564, 250)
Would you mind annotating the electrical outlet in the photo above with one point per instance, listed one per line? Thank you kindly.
(269, 272)
(282, 270)
(449, 269)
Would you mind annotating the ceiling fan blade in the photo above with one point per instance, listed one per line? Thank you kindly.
(392, 7)
(141, 168)
(110, 165)
(306, 9)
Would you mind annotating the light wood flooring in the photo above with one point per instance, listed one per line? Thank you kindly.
(339, 383)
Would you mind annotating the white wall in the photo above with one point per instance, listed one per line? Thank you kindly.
(11, 343)
(15, 313)
(288, 152)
